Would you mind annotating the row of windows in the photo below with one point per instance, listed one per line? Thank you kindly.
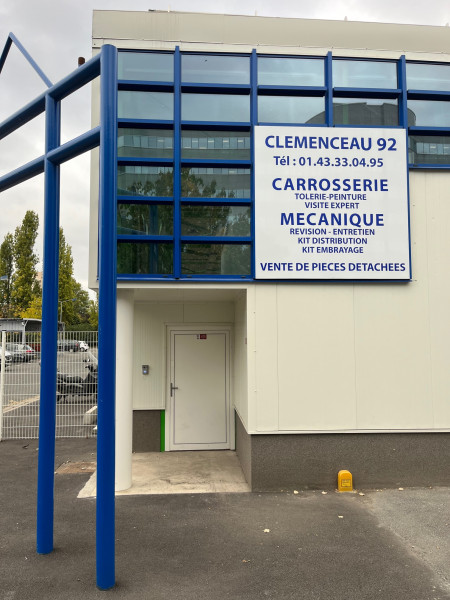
(208, 221)
(281, 71)
(282, 109)
(235, 145)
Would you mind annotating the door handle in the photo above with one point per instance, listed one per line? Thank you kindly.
(172, 387)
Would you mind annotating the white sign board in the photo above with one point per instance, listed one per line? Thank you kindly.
(331, 203)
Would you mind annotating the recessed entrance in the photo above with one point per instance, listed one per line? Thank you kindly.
(198, 389)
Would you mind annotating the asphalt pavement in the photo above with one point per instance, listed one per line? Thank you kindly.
(311, 545)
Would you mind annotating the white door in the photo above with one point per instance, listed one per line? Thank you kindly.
(198, 390)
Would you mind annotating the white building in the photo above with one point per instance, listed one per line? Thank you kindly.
(250, 150)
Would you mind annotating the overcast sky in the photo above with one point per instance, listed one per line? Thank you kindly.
(57, 32)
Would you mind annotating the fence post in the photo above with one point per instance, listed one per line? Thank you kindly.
(2, 381)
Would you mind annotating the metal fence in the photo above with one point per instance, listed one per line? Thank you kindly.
(76, 398)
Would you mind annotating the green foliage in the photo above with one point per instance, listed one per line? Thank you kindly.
(25, 285)
(20, 293)
(6, 270)
(34, 310)
(93, 313)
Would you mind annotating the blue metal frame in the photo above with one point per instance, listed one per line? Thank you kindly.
(12, 39)
(105, 65)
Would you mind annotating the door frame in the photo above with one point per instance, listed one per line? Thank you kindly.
(197, 328)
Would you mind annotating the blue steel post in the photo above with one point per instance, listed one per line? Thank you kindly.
(253, 123)
(329, 117)
(47, 413)
(107, 263)
(177, 165)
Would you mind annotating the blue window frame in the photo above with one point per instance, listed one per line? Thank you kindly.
(185, 143)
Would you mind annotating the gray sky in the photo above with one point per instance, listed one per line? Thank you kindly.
(56, 32)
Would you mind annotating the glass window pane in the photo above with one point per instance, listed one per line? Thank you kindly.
(145, 105)
(428, 113)
(144, 219)
(291, 109)
(215, 144)
(145, 143)
(365, 111)
(202, 68)
(145, 66)
(428, 77)
(215, 259)
(215, 182)
(431, 150)
(364, 74)
(144, 259)
(215, 107)
(215, 220)
(291, 71)
(144, 181)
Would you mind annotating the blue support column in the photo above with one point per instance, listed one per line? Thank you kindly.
(105, 548)
(47, 413)
(329, 118)
(177, 166)
(253, 123)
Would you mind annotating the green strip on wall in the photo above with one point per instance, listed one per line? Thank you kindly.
(162, 445)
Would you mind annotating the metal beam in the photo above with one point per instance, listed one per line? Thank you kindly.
(107, 322)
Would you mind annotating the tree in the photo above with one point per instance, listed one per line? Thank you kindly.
(6, 270)
(66, 288)
(24, 281)
(34, 309)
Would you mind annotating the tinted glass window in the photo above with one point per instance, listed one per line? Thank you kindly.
(364, 74)
(290, 71)
(429, 149)
(144, 181)
(365, 111)
(215, 107)
(144, 219)
(145, 143)
(203, 68)
(215, 144)
(215, 220)
(145, 66)
(145, 105)
(215, 182)
(291, 109)
(215, 259)
(428, 77)
(428, 113)
(144, 259)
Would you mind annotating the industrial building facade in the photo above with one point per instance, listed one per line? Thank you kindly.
(283, 218)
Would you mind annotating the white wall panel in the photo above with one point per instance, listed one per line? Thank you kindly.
(435, 188)
(149, 349)
(266, 344)
(316, 362)
(213, 312)
(239, 360)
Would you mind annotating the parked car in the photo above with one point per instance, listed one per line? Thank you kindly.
(83, 346)
(8, 358)
(21, 352)
(30, 353)
(70, 345)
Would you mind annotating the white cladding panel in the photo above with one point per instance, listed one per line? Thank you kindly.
(316, 357)
(159, 29)
(239, 362)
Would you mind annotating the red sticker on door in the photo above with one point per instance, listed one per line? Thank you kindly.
(202, 336)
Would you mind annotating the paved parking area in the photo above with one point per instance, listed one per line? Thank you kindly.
(309, 545)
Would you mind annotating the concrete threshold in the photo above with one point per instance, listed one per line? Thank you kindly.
(193, 472)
